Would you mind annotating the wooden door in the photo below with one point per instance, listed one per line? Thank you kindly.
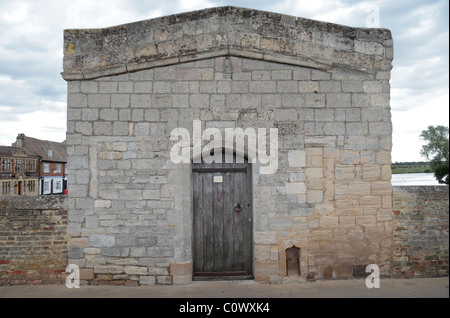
(222, 221)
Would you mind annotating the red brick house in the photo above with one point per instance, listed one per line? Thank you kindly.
(52, 162)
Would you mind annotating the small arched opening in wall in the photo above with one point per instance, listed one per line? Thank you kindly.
(293, 261)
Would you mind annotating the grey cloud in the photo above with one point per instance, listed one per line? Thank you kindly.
(8, 115)
(32, 57)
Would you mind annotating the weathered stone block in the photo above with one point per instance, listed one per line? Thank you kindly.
(371, 172)
(334, 128)
(357, 129)
(346, 221)
(329, 86)
(180, 269)
(345, 172)
(102, 240)
(293, 188)
(266, 268)
(135, 270)
(325, 272)
(108, 269)
(350, 157)
(342, 272)
(383, 157)
(359, 188)
(366, 220)
(297, 159)
(314, 173)
(329, 221)
(314, 196)
(315, 100)
(147, 280)
(381, 188)
(92, 251)
(86, 274)
(321, 235)
(379, 100)
(338, 100)
(265, 237)
(89, 87)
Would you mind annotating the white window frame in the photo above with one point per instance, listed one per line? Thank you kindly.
(47, 186)
(57, 186)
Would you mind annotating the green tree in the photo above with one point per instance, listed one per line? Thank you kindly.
(436, 150)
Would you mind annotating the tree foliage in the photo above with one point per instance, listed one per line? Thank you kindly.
(436, 150)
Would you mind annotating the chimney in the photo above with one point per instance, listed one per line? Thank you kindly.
(20, 141)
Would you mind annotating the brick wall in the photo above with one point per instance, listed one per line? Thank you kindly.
(420, 231)
(33, 243)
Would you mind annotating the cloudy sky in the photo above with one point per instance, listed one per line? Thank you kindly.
(33, 93)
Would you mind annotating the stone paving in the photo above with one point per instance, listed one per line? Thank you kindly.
(354, 288)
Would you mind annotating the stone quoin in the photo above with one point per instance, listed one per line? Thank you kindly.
(137, 218)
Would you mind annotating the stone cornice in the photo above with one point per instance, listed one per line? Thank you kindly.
(223, 31)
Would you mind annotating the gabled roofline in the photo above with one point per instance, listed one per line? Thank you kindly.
(223, 31)
(31, 146)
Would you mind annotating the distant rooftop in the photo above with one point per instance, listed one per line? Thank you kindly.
(9, 151)
(48, 150)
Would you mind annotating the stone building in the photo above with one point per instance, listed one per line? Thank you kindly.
(307, 192)
(18, 172)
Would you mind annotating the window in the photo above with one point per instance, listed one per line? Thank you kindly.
(6, 167)
(46, 187)
(46, 168)
(58, 169)
(19, 165)
(50, 153)
(31, 186)
(58, 186)
(6, 164)
(6, 187)
(31, 165)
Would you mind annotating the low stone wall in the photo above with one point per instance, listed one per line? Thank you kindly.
(420, 231)
(33, 243)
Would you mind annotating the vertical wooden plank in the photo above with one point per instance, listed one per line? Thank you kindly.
(217, 200)
(239, 239)
(208, 229)
(228, 221)
(218, 219)
(197, 222)
(248, 228)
